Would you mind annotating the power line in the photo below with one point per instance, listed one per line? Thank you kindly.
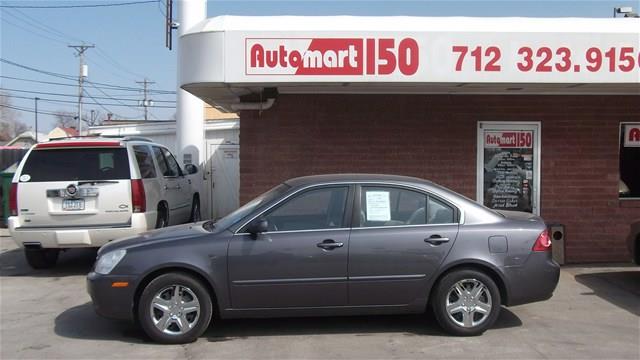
(43, 25)
(63, 76)
(75, 6)
(73, 78)
(72, 95)
(69, 84)
(4, 20)
(75, 102)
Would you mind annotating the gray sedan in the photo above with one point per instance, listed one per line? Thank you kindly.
(330, 245)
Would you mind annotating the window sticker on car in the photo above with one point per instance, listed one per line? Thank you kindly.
(25, 177)
(378, 206)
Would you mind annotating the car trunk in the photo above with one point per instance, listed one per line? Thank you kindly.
(75, 186)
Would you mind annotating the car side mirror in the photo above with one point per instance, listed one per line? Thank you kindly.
(190, 169)
(258, 226)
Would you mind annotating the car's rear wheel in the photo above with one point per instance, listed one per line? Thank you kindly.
(41, 258)
(174, 308)
(163, 217)
(466, 302)
(195, 210)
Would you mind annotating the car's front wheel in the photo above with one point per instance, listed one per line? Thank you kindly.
(466, 302)
(174, 308)
(42, 258)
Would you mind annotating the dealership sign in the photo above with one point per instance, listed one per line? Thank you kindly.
(331, 56)
(342, 51)
(508, 139)
(632, 135)
(432, 57)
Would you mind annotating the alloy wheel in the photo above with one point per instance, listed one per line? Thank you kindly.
(175, 310)
(468, 303)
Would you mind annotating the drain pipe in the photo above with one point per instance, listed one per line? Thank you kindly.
(259, 106)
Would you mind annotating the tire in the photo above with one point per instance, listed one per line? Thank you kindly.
(456, 290)
(42, 258)
(195, 210)
(173, 325)
(163, 217)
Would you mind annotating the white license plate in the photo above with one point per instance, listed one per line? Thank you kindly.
(73, 204)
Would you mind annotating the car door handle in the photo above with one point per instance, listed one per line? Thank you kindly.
(436, 240)
(329, 244)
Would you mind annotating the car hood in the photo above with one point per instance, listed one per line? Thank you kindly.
(172, 233)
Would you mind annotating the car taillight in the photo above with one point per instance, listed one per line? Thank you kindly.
(138, 199)
(543, 242)
(13, 200)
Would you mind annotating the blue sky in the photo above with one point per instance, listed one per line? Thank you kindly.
(129, 43)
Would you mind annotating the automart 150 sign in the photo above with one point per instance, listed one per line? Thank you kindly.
(439, 57)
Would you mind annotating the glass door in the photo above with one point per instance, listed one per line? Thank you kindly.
(509, 166)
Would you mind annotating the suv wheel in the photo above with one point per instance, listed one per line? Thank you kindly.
(163, 217)
(466, 302)
(174, 308)
(41, 258)
(195, 210)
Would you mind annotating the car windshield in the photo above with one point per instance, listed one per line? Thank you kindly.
(247, 208)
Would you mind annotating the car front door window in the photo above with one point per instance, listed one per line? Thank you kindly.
(312, 210)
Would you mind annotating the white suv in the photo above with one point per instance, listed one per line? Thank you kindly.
(85, 192)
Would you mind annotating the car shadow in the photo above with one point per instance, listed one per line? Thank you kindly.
(81, 322)
(620, 288)
(70, 262)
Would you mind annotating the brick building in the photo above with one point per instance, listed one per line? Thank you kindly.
(544, 119)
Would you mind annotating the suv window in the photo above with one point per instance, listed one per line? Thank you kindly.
(77, 164)
(162, 162)
(390, 206)
(314, 209)
(145, 161)
(173, 164)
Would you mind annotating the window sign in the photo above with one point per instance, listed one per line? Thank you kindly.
(631, 135)
(378, 206)
(629, 185)
(508, 170)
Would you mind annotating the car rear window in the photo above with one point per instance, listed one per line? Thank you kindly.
(77, 164)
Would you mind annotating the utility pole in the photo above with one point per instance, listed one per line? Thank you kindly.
(83, 74)
(36, 99)
(146, 102)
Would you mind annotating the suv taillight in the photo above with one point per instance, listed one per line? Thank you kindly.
(138, 199)
(13, 200)
(543, 242)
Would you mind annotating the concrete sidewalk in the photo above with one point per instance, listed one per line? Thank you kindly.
(594, 314)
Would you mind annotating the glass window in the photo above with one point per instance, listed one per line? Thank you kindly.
(314, 209)
(387, 206)
(439, 212)
(77, 164)
(629, 185)
(162, 163)
(145, 161)
(173, 164)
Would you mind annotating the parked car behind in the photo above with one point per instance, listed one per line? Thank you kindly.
(330, 245)
(633, 242)
(84, 192)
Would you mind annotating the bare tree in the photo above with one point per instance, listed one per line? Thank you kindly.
(95, 118)
(10, 124)
(66, 119)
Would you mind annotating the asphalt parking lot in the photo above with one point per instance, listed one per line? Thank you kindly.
(595, 314)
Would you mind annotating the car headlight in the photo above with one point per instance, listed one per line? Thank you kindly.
(108, 261)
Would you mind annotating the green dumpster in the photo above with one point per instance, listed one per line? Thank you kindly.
(6, 187)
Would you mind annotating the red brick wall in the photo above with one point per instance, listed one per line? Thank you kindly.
(434, 137)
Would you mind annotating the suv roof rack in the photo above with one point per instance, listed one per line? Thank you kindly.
(127, 138)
